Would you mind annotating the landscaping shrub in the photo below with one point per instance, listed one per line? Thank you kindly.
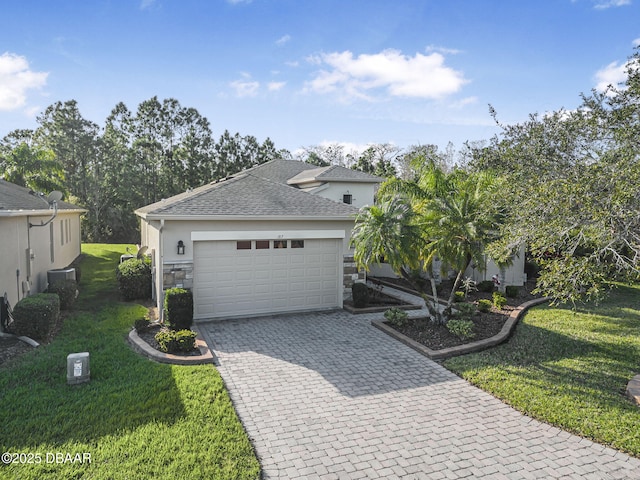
(134, 278)
(396, 316)
(463, 329)
(499, 300)
(485, 286)
(465, 311)
(360, 294)
(35, 316)
(176, 341)
(141, 324)
(459, 296)
(67, 290)
(512, 291)
(484, 305)
(178, 308)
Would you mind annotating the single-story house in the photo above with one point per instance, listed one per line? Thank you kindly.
(270, 239)
(38, 233)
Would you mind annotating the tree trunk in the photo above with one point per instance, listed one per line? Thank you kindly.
(452, 296)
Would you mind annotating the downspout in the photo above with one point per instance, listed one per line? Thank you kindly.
(160, 273)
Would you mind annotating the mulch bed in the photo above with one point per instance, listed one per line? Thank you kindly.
(486, 325)
(149, 336)
(11, 347)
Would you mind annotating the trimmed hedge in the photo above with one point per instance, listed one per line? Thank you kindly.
(36, 315)
(180, 341)
(178, 308)
(512, 291)
(134, 278)
(486, 286)
(67, 291)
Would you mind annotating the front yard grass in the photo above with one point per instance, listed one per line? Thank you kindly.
(136, 418)
(570, 369)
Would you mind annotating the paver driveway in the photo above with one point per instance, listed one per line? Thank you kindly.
(327, 395)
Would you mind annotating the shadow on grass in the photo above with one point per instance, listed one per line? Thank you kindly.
(125, 390)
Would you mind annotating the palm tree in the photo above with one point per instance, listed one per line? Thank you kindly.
(452, 216)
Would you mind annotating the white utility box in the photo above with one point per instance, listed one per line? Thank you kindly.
(78, 368)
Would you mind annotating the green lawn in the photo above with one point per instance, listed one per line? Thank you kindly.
(570, 369)
(136, 418)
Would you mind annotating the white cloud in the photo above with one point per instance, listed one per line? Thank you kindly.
(144, 4)
(283, 40)
(612, 74)
(444, 50)
(16, 79)
(275, 86)
(602, 5)
(636, 42)
(236, 2)
(420, 76)
(245, 88)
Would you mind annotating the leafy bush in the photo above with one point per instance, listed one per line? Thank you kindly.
(465, 310)
(463, 329)
(35, 316)
(485, 286)
(67, 290)
(178, 308)
(360, 294)
(512, 291)
(459, 296)
(396, 316)
(134, 278)
(499, 300)
(176, 341)
(141, 324)
(484, 305)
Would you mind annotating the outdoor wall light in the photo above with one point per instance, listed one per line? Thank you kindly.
(180, 247)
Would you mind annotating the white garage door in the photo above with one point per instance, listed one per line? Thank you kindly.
(249, 277)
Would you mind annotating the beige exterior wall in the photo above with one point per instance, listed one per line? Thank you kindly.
(30, 252)
(179, 268)
(362, 193)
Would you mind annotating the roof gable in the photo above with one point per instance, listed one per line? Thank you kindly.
(248, 195)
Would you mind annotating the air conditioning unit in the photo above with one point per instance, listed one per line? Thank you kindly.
(61, 274)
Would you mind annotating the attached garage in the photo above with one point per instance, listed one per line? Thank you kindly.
(266, 272)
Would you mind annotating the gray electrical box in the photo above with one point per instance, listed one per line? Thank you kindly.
(78, 368)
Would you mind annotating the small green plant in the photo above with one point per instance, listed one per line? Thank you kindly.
(499, 300)
(512, 291)
(178, 308)
(360, 294)
(134, 278)
(484, 305)
(463, 329)
(459, 296)
(396, 316)
(176, 341)
(465, 311)
(468, 285)
(486, 286)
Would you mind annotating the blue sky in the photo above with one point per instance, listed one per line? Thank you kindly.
(308, 72)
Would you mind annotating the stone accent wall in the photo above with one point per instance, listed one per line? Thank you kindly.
(351, 275)
(177, 275)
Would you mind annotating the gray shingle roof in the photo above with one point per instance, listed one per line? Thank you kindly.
(15, 199)
(333, 173)
(279, 170)
(248, 195)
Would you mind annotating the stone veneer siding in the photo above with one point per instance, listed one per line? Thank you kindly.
(177, 275)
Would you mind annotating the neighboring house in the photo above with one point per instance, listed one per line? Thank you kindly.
(270, 239)
(36, 237)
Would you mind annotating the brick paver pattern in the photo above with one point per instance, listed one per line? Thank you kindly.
(326, 395)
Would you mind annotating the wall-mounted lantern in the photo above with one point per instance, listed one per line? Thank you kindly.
(180, 247)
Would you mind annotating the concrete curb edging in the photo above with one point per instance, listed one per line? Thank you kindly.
(26, 340)
(633, 390)
(142, 347)
(506, 331)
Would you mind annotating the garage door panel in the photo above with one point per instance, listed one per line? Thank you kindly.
(235, 282)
